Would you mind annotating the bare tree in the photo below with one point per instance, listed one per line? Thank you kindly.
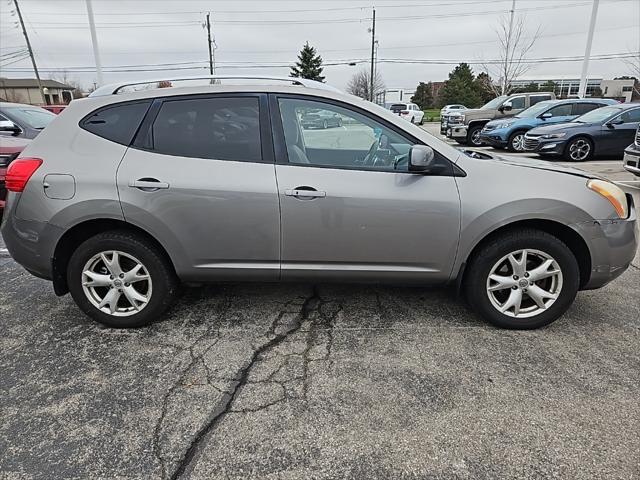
(359, 84)
(514, 46)
(63, 77)
(633, 65)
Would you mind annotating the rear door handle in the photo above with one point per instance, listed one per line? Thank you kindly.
(303, 192)
(148, 184)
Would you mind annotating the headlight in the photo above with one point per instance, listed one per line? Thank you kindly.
(549, 136)
(613, 193)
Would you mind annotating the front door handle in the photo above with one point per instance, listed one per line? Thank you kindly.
(148, 184)
(305, 192)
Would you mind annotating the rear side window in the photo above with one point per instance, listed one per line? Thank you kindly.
(533, 99)
(213, 128)
(582, 108)
(117, 123)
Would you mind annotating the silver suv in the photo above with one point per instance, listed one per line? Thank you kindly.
(127, 194)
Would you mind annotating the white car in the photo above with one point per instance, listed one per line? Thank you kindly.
(451, 108)
(408, 111)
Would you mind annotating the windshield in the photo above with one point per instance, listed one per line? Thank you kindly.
(535, 110)
(396, 107)
(598, 115)
(34, 117)
(495, 102)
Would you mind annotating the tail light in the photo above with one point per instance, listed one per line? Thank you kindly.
(19, 173)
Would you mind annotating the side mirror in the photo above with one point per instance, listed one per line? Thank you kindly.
(546, 115)
(506, 106)
(617, 121)
(8, 126)
(421, 158)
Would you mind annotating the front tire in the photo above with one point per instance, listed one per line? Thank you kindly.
(579, 149)
(516, 142)
(121, 279)
(473, 136)
(522, 279)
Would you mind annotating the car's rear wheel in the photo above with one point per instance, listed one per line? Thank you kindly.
(421, 121)
(523, 279)
(516, 142)
(121, 279)
(579, 149)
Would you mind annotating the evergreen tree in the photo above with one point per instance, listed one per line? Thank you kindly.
(548, 86)
(424, 95)
(462, 88)
(309, 64)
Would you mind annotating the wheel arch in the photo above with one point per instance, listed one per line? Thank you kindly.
(572, 239)
(84, 230)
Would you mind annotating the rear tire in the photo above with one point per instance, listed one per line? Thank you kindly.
(110, 267)
(489, 297)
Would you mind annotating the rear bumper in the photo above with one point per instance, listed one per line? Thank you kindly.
(613, 245)
(29, 242)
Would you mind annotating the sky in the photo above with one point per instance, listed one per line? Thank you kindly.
(264, 37)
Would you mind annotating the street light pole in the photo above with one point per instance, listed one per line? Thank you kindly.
(587, 52)
(94, 43)
(373, 46)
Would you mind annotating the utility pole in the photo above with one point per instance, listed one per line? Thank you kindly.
(33, 60)
(209, 44)
(587, 52)
(505, 73)
(373, 46)
(94, 43)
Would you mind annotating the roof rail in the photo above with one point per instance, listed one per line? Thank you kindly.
(114, 88)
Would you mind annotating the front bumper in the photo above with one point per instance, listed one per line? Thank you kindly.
(613, 245)
(457, 132)
(494, 138)
(631, 160)
(544, 146)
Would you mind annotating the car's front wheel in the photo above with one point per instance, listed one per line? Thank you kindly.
(523, 279)
(121, 279)
(579, 149)
(473, 137)
(516, 142)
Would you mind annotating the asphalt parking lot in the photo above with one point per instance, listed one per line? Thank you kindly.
(299, 381)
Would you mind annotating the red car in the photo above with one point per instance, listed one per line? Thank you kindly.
(10, 148)
(54, 108)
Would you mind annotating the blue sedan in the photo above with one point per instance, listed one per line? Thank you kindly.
(509, 132)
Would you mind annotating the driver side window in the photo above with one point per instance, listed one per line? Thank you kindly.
(322, 134)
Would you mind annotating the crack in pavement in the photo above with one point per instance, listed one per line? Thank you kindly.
(180, 382)
(225, 406)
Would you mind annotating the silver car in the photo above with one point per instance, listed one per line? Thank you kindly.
(127, 194)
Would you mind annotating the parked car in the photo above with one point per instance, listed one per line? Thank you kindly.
(509, 132)
(604, 131)
(54, 108)
(20, 120)
(320, 119)
(10, 148)
(408, 111)
(97, 205)
(451, 108)
(631, 159)
(465, 127)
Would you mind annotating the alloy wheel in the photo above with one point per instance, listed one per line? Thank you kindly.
(579, 150)
(116, 283)
(475, 137)
(517, 142)
(524, 283)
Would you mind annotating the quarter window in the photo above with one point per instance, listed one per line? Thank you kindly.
(354, 141)
(582, 108)
(117, 123)
(213, 128)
